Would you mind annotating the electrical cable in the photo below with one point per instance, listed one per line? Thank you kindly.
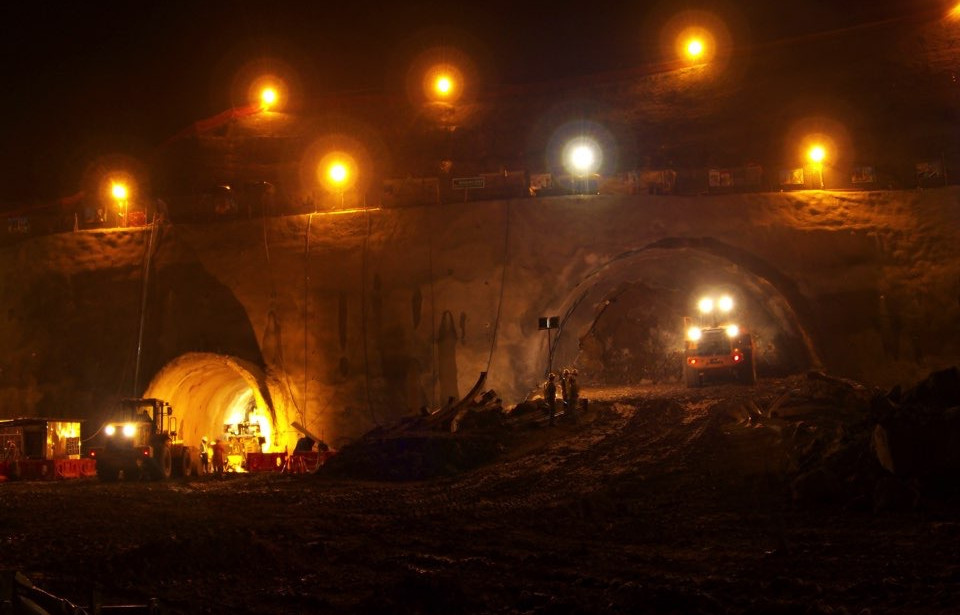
(434, 355)
(363, 319)
(273, 311)
(503, 283)
(306, 299)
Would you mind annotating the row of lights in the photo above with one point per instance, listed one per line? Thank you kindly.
(582, 156)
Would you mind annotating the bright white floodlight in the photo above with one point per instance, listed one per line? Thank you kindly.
(582, 157)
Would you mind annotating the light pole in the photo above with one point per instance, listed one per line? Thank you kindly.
(120, 193)
(817, 154)
(581, 158)
(548, 323)
(338, 174)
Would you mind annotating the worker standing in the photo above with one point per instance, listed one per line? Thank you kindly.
(204, 455)
(550, 395)
(564, 376)
(12, 457)
(219, 457)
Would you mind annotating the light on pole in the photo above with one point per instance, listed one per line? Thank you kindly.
(694, 49)
(338, 174)
(582, 157)
(268, 98)
(817, 154)
(443, 86)
(121, 194)
(548, 323)
(443, 83)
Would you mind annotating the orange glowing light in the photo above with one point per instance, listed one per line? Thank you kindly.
(954, 13)
(268, 97)
(119, 191)
(443, 82)
(338, 173)
(443, 85)
(695, 44)
(817, 154)
(695, 48)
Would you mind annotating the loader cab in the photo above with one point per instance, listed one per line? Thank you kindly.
(140, 423)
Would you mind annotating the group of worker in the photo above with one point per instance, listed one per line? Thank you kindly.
(215, 454)
(569, 393)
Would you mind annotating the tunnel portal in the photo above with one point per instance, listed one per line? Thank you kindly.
(210, 391)
(624, 322)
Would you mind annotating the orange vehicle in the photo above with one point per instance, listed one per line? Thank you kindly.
(718, 351)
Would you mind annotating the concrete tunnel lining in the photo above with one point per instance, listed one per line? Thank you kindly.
(696, 264)
(207, 390)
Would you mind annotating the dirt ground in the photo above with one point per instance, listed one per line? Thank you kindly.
(659, 500)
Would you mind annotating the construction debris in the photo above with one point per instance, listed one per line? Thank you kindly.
(917, 432)
(457, 437)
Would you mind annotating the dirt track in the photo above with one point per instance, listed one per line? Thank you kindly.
(648, 505)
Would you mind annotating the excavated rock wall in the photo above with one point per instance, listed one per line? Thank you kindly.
(349, 320)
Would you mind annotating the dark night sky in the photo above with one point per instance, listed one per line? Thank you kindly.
(86, 78)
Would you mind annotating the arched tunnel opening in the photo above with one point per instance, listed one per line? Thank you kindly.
(226, 398)
(625, 322)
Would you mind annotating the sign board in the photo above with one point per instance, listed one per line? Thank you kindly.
(549, 322)
(791, 177)
(863, 175)
(73, 446)
(467, 183)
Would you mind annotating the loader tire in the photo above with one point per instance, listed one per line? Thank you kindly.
(164, 462)
(186, 464)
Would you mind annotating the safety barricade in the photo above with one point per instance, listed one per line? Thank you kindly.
(75, 468)
(266, 462)
(51, 469)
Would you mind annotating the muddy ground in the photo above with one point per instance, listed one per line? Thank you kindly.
(660, 500)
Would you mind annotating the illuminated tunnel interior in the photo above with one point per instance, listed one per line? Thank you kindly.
(624, 322)
(210, 391)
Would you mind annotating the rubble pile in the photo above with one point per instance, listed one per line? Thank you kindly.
(458, 437)
(838, 443)
(917, 432)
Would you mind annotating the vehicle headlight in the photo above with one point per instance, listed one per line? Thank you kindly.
(129, 430)
(110, 430)
(694, 334)
(725, 303)
(705, 305)
(733, 330)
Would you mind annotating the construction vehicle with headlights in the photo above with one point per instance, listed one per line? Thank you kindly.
(143, 443)
(717, 349)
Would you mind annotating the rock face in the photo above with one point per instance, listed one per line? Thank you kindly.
(336, 320)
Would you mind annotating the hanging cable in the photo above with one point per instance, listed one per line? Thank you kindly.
(503, 283)
(273, 305)
(144, 289)
(363, 318)
(434, 355)
(306, 327)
